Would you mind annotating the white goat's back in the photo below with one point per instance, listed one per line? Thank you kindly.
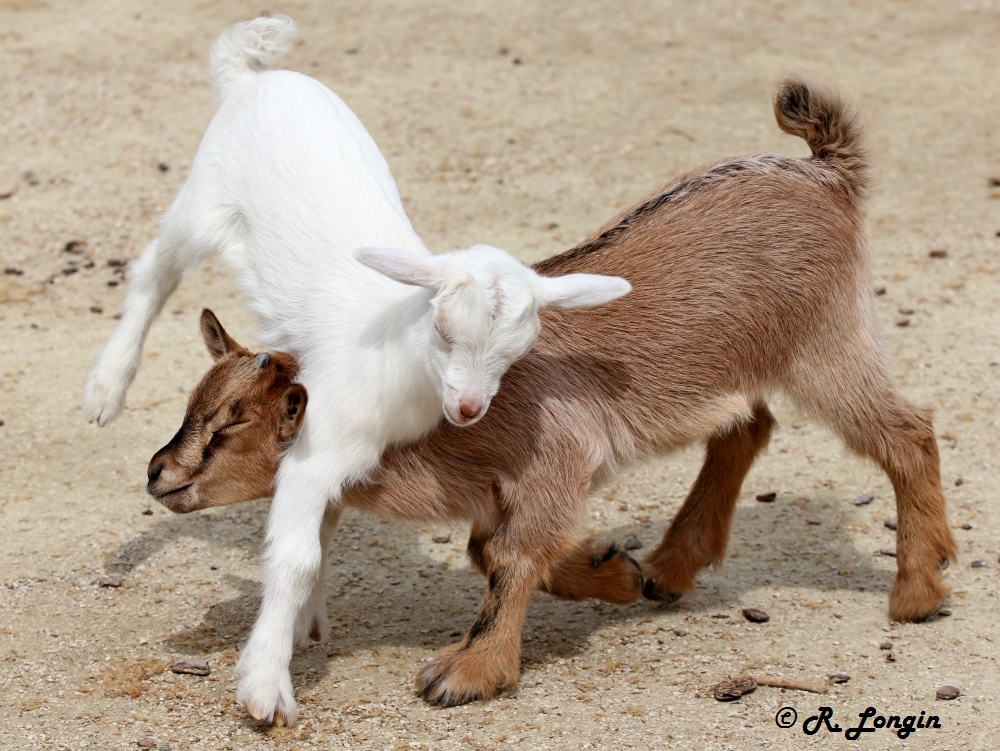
(285, 185)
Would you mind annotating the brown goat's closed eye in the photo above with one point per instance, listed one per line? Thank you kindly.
(645, 375)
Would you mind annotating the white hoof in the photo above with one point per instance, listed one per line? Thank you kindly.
(268, 696)
(103, 399)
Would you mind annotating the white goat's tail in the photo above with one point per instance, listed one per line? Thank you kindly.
(246, 49)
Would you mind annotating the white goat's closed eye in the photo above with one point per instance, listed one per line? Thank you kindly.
(403, 265)
(579, 290)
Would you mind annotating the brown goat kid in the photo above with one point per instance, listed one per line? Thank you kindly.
(749, 277)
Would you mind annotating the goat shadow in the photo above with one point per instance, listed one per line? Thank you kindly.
(388, 587)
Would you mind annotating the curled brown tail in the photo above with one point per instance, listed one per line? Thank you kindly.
(818, 115)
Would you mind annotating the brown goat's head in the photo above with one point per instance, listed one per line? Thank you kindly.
(239, 418)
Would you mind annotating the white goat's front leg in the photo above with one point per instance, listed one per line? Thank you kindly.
(312, 623)
(152, 279)
(291, 566)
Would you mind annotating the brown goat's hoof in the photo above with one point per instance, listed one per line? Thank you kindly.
(916, 598)
(653, 591)
(460, 674)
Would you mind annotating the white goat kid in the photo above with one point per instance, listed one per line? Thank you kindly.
(287, 185)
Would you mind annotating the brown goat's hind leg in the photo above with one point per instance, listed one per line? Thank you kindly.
(878, 423)
(850, 389)
(607, 574)
(700, 531)
(924, 542)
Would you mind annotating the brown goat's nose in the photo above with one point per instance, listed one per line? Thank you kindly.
(469, 408)
(154, 473)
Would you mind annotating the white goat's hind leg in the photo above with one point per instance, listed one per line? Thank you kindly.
(152, 279)
(290, 570)
(312, 623)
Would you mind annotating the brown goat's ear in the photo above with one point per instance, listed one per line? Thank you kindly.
(292, 411)
(216, 338)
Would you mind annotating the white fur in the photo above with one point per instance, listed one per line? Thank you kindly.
(285, 186)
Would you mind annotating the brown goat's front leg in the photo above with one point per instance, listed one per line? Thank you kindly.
(488, 660)
(699, 532)
(588, 570)
(604, 573)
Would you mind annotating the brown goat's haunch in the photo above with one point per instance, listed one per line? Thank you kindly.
(749, 277)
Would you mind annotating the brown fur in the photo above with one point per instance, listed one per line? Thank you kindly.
(233, 413)
(750, 276)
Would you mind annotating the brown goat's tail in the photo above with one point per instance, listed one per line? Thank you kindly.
(820, 116)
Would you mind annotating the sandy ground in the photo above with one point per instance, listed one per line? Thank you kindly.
(525, 125)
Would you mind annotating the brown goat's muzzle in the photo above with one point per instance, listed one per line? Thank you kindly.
(182, 500)
(170, 484)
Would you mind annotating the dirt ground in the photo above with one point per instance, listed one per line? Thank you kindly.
(525, 125)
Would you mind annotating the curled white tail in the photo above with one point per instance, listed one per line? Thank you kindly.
(246, 49)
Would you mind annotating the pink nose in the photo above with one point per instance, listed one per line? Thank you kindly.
(470, 407)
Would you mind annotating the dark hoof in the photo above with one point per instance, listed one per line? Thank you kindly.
(652, 591)
(633, 561)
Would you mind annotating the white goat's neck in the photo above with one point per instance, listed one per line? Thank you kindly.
(374, 385)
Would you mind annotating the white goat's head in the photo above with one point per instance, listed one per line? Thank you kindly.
(485, 314)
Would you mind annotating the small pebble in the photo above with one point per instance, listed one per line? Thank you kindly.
(75, 247)
(863, 500)
(906, 311)
(838, 678)
(442, 537)
(879, 291)
(966, 526)
(766, 497)
(890, 657)
(938, 253)
(623, 507)
(193, 666)
(903, 323)
(633, 543)
(755, 616)
(70, 270)
(13, 271)
(214, 568)
(886, 645)
(162, 166)
(96, 309)
(680, 632)
(113, 283)
(958, 481)
(115, 263)
(734, 688)
(148, 512)
(978, 564)
(720, 615)
(947, 693)
(111, 581)
(891, 523)
(146, 743)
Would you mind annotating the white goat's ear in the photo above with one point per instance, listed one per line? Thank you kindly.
(579, 290)
(402, 265)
